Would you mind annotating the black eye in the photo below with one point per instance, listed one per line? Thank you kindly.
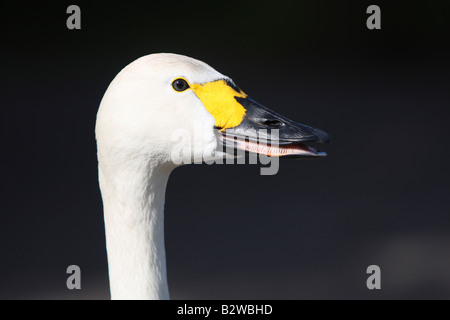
(180, 85)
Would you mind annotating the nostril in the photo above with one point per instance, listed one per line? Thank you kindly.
(272, 123)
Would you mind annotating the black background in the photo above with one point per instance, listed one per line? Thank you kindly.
(309, 232)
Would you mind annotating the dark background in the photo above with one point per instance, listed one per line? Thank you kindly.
(309, 232)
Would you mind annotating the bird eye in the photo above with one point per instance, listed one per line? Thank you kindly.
(180, 85)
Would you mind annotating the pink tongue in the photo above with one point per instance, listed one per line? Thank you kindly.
(280, 150)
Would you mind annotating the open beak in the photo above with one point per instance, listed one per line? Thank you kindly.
(264, 131)
(246, 125)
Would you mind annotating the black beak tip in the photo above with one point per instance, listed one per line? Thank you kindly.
(322, 136)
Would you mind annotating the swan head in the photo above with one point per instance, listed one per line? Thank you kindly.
(163, 106)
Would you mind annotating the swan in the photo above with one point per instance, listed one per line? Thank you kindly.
(145, 104)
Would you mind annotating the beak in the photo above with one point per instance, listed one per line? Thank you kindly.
(264, 131)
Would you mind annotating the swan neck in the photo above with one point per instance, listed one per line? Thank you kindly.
(133, 201)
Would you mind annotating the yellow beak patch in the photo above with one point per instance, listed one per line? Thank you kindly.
(218, 97)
